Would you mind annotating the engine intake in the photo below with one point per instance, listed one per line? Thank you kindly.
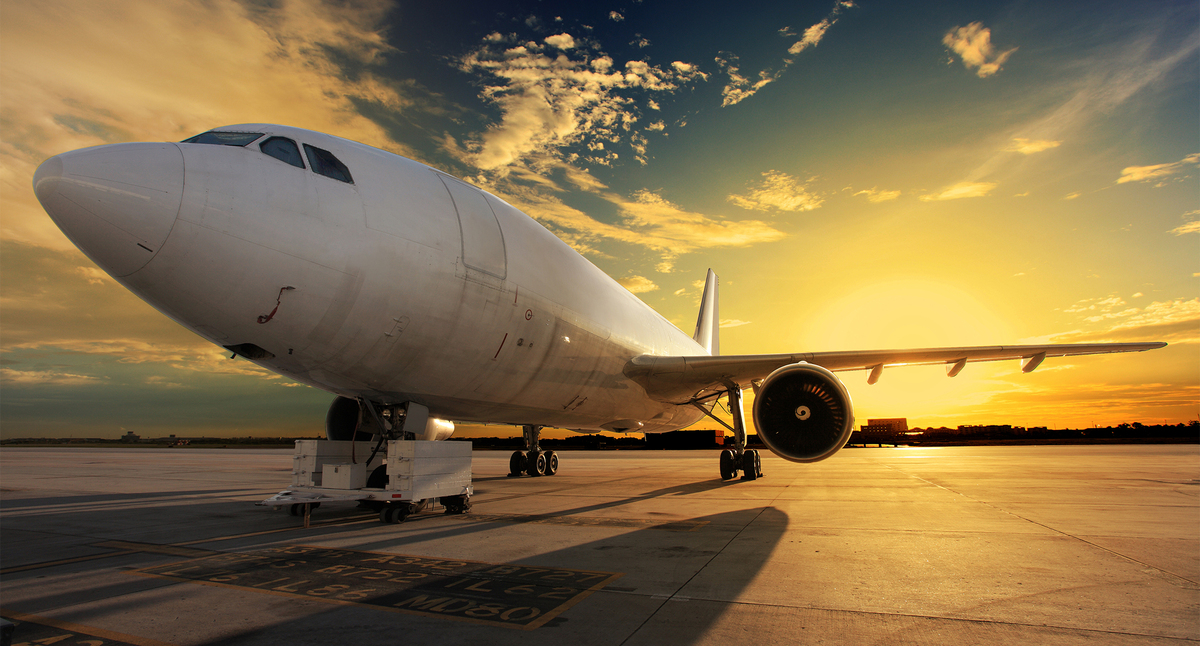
(803, 413)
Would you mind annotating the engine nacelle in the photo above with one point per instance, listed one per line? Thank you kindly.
(803, 413)
(345, 415)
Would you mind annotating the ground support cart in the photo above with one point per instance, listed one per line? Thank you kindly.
(398, 479)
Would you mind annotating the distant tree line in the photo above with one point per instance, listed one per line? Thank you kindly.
(1131, 433)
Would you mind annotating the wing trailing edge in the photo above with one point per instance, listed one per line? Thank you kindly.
(683, 379)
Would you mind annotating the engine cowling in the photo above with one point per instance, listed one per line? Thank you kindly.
(803, 413)
(345, 415)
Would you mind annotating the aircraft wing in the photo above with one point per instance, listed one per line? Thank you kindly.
(682, 379)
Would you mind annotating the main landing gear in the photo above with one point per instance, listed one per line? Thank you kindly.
(737, 458)
(533, 460)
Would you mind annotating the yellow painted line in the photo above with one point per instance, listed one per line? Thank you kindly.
(85, 630)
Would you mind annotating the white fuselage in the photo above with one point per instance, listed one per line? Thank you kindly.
(408, 284)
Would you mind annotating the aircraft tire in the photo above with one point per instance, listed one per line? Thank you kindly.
(751, 465)
(516, 464)
(536, 463)
(728, 468)
(551, 463)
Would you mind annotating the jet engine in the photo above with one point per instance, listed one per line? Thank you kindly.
(803, 413)
(346, 415)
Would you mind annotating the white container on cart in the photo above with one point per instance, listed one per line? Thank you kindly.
(401, 476)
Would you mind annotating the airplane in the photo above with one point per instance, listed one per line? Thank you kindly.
(417, 298)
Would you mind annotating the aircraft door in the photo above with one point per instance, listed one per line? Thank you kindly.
(482, 240)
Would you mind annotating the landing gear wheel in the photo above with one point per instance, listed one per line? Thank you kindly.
(516, 464)
(535, 464)
(751, 466)
(551, 463)
(728, 465)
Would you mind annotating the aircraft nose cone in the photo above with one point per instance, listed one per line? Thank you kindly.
(117, 203)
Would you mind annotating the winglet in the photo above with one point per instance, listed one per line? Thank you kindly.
(708, 323)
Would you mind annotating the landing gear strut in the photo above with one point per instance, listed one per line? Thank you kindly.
(533, 460)
(737, 458)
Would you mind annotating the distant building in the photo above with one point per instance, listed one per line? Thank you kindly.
(130, 437)
(889, 425)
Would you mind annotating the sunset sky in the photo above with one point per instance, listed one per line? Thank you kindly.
(860, 174)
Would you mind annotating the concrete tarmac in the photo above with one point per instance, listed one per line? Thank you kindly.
(955, 545)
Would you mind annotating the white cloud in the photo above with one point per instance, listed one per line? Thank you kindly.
(1031, 146)
(637, 284)
(733, 323)
(740, 88)
(576, 96)
(43, 378)
(973, 44)
(812, 36)
(645, 219)
(779, 192)
(615, 17)
(561, 41)
(1158, 171)
(1071, 196)
(1190, 227)
(1111, 319)
(875, 195)
(961, 190)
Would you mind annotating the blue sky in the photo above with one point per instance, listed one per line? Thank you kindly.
(860, 174)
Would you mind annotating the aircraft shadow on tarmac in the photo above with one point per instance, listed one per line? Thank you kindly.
(713, 557)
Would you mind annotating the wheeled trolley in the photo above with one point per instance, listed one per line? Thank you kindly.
(397, 481)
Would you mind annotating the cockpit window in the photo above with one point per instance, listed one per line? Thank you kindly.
(324, 163)
(283, 149)
(223, 138)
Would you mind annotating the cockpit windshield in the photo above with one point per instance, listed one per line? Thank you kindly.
(223, 138)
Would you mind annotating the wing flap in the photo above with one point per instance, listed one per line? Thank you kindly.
(681, 379)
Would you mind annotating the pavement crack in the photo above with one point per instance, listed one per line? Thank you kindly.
(1165, 574)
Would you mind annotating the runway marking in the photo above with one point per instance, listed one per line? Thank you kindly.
(77, 559)
(514, 596)
(32, 629)
(154, 548)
